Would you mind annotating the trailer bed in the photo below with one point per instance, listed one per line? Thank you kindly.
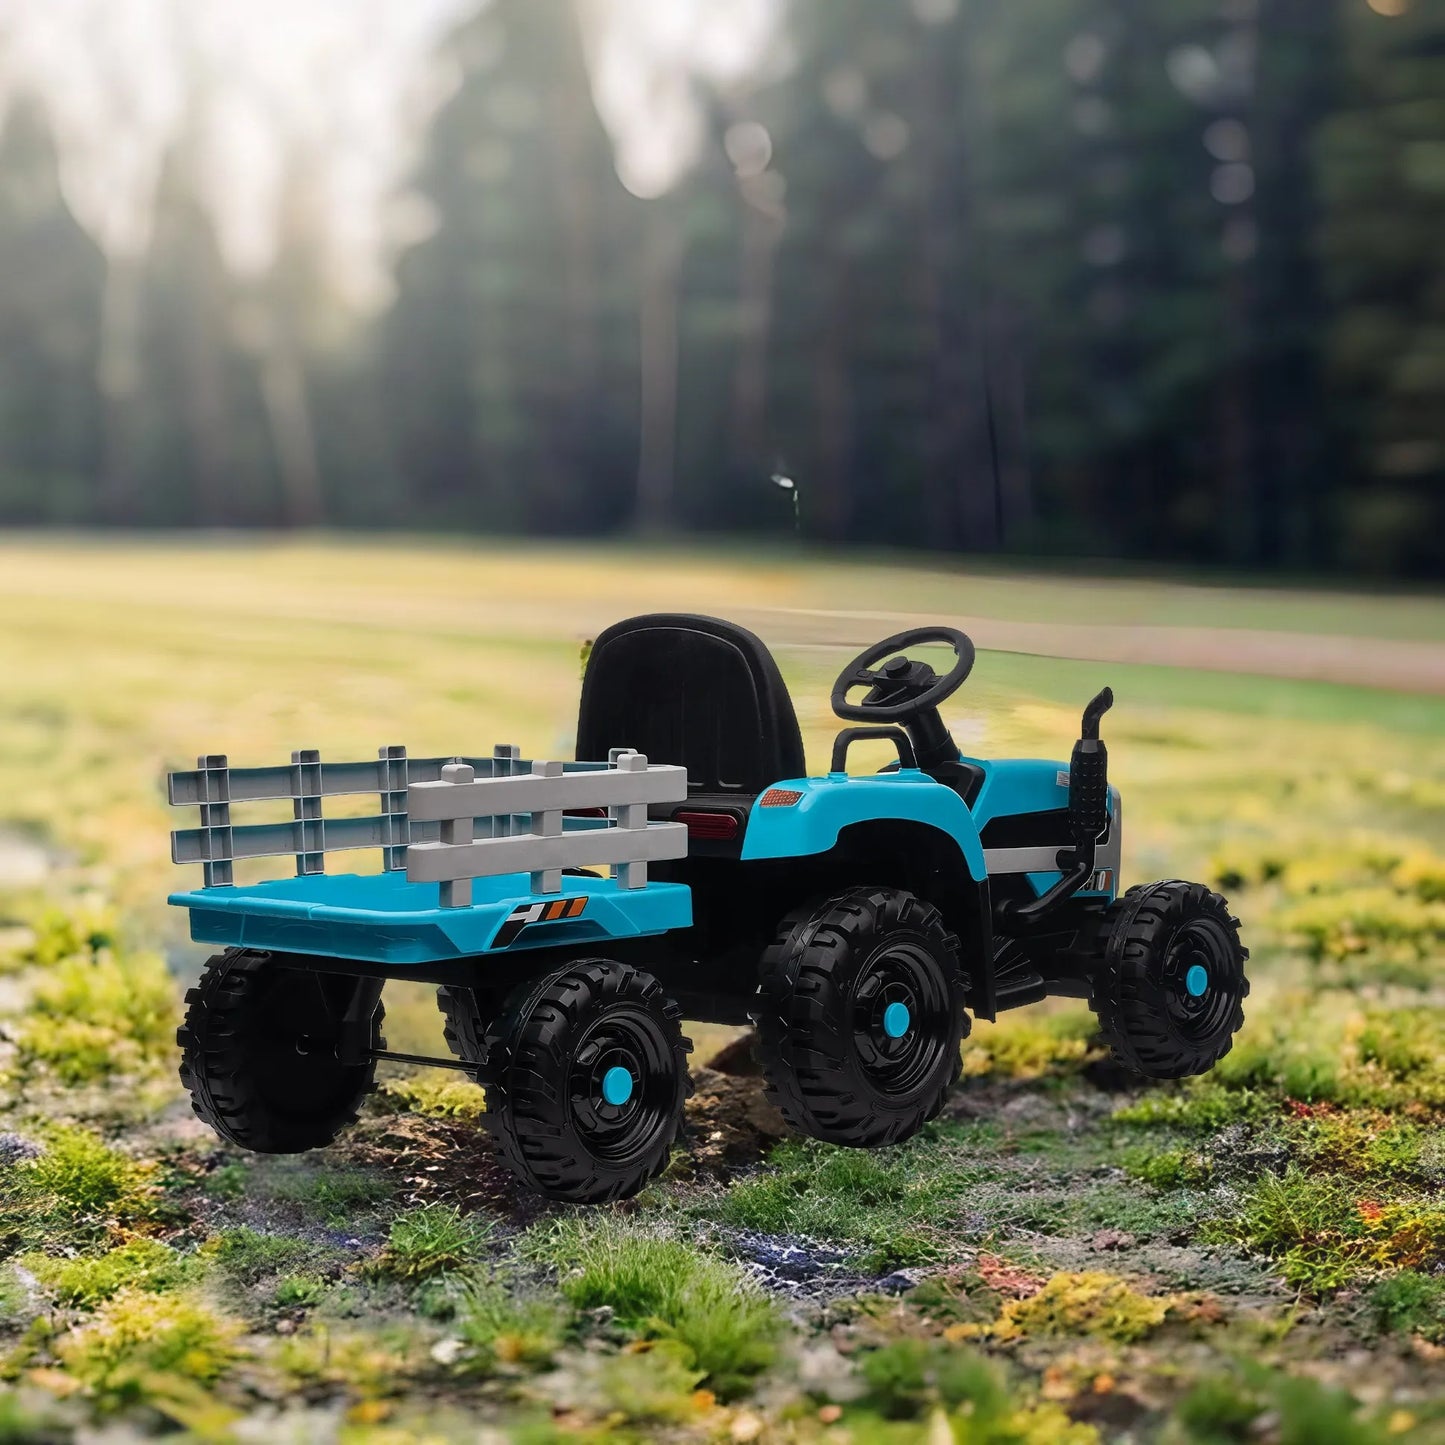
(383, 918)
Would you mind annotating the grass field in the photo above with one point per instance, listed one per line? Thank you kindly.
(1065, 1256)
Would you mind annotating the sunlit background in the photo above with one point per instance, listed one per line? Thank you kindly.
(1051, 276)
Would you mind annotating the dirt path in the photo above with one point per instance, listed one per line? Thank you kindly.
(1402, 666)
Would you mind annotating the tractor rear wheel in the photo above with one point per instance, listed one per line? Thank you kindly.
(1170, 982)
(860, 1016)
(585, 1074)
(258, 1053)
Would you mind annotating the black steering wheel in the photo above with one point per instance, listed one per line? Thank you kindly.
(901, 690)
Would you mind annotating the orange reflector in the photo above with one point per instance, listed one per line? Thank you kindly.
(779, 798)
(717, 827)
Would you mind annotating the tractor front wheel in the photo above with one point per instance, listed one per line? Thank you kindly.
(860, 1016)
(1170, 984)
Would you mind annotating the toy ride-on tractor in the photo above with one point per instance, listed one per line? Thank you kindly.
(688, 866)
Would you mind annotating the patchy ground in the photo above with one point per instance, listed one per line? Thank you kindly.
(1066, 1256)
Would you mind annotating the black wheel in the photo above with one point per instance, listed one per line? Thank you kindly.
(860, 1015)
(258, 1053)
(465, 1015)
(1170, 982)
(585, 1073)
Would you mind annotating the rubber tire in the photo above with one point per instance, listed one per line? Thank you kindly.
(233, 1022)
(523, 1064)
(464, 1024)
(814, 1074)
(1128, 995)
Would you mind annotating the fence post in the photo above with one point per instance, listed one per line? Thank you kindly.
(306, 808)
(547, 824)
(457, 893)
(629, 815)
(505, 757)
(216, 818)
(393, 808)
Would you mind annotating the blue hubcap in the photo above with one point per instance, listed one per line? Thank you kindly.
(616, 1086)
(1196, 981)
(896, 1020)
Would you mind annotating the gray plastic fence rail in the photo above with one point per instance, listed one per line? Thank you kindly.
(443, 820)
(627, 842)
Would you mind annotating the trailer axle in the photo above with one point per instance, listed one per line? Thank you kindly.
(423, 1059)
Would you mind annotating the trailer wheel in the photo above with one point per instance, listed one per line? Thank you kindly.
(585, 1073)
(860, 1016)
(1170, 983)
(465, 1015)
(258, 1054)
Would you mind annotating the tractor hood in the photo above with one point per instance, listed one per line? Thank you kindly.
(1020, 785)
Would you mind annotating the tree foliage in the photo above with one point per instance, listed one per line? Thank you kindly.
(1074, 276)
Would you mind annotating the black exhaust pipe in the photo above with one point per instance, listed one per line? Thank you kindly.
(1089, 778)
(1088, 817)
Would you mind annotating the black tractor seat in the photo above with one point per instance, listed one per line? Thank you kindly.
(694, 691)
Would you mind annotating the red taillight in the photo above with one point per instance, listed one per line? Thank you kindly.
(715, 827)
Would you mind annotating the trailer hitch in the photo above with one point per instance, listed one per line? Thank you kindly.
(1088, 817)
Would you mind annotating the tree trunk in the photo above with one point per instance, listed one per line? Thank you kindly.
(657, 446)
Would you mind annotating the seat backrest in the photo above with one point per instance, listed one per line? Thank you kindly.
(694, 691)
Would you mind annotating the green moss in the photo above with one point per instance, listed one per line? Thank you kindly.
(660, 1287)
(1323, 1231)
(502, 1326)
(1363, 1143)
(1029, 1045)
(373, 1362)
(1252, 1402)
(1091, 1303)
(1422, 874)
(1407, 1046)
(95, 1016)
(962, 1395)
(1410, 1303)
(80, 931)
(447, 1098)
(1297, 1052)
(433, 1239)
(1248, 864)
(1167, 1168)
(135, 1337)
(335, 1195)
(227, 1182)
(75, 1190)
(1379, 923)
(143, 1264)
(655, 1387)
(1199, 1105)
(14, 1297)
(247, 1255)
(895, 1202)
(298, 1291)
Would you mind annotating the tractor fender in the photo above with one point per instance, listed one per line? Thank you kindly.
(804, 816)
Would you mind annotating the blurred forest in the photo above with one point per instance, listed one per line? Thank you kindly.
(1085, 277)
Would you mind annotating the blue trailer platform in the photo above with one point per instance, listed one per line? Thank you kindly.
(383, 918)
